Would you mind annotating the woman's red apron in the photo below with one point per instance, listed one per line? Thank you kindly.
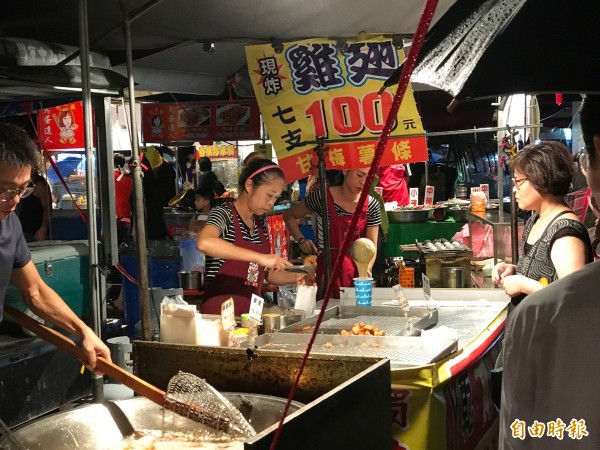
(236, 279)
(338, 227)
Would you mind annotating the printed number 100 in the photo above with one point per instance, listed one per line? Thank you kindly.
(350, 115)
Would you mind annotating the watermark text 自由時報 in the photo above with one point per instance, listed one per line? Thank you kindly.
(575, 429)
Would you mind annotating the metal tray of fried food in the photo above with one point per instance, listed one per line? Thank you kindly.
(403, 351)
(393, 320)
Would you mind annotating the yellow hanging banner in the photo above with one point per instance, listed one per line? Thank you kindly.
(311, 89)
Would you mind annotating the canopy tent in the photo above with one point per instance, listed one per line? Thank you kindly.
(186, 46)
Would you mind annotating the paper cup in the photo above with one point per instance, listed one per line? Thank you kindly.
(364, 291)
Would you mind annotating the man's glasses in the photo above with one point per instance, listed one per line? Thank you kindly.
(7, 195)
(518, 182)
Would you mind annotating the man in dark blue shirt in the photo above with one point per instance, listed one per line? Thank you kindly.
(18, 155)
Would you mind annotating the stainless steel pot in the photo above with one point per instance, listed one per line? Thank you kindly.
(459, 214)
(408, 215)
(191, 280)
(92, 427)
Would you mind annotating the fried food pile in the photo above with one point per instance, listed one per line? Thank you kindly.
(233, 115)
(310, 260)
(360, 329)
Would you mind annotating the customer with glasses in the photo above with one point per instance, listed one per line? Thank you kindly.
(550, 389)
(18, 155)
(554, 242)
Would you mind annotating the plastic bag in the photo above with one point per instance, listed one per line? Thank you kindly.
(287, 296)
(192, 259)
(306, 299)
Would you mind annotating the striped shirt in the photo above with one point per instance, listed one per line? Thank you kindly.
(222, 218)
(314, 199)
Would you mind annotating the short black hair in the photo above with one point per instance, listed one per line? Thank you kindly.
(547, 165)
(590, 122)
(119, 160)
(17, 148)
(205, 164)
(205, 192)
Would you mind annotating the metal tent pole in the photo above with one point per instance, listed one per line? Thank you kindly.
(324, 213)
(134, 15)
(140, 223)
(477, 130)
(90, 183)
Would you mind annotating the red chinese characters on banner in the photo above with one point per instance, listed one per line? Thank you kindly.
(399, 414)
(61, 127)
(356, 154)
(200, 121)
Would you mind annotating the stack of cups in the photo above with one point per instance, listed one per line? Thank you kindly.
(364, 291)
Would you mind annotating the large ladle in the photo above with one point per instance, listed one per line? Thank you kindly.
(140, 386)
(362, 253)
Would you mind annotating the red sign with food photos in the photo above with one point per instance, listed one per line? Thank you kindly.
(61, 127)
(200, 121)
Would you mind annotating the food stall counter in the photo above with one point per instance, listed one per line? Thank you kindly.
(447, 405)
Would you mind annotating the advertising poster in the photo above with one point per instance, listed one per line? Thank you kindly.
(315, 88)
(61, 127)
(200, 121)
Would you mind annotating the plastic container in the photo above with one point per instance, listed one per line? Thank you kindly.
(364, 291)
(406, 277)
(241, 336)
(163, 265)
(192, 259)
(478, 201)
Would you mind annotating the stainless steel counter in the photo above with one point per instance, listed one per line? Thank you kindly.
(468, 311)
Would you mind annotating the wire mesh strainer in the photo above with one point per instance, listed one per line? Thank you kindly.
(192, 397)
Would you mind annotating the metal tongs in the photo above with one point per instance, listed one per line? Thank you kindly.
(297, 269)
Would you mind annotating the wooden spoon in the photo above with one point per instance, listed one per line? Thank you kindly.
(140, 386)
(362, 253)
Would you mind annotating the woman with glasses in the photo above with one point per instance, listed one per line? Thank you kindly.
(554, 242)
(551, 343)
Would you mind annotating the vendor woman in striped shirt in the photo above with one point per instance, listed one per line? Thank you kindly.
(342, 199)
(236, 243)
